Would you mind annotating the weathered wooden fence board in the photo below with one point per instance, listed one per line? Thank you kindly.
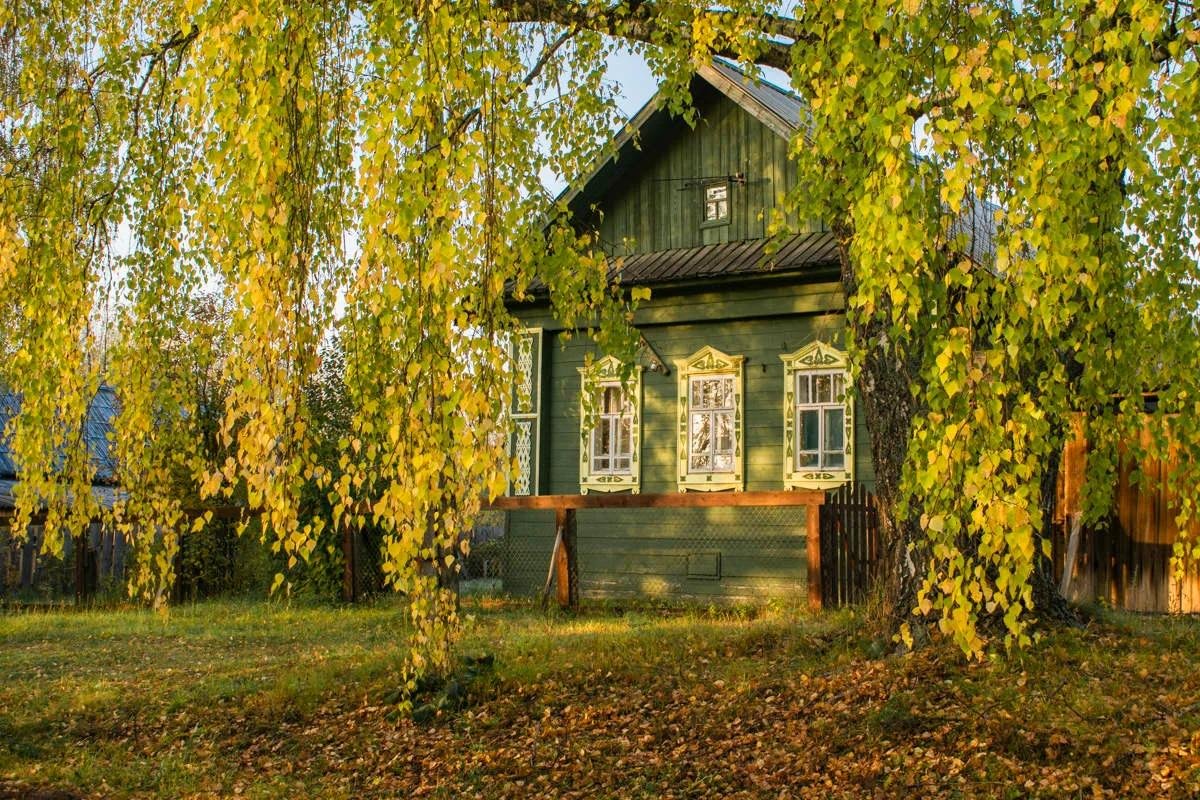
(850, 547)
(1127, 562)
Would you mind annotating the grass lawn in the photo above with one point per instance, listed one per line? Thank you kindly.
(251, 699)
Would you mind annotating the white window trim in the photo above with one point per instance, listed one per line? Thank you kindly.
(607, 372)
(710, 362)
(815, 358)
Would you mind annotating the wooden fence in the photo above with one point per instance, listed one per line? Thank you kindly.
(1126, 562)
(564, 570)
(850, 545)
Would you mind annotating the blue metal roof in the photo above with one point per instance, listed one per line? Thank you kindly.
(106, 496)
(101, 412)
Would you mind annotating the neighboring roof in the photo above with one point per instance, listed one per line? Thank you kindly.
(101, 413)
(798, 253)
(106, 496)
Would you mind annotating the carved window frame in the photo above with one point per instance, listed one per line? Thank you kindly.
(708, 361)
(605, 372)
(815, 358)
(524, 440)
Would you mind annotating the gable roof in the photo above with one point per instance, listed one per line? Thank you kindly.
(780, 111)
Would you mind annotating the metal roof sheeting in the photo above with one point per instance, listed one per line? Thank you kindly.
(106, 496)
(101, 413)
(739, 258)
(780, 102)
(796, 253)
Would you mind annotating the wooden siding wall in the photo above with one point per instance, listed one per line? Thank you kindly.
(646, 551)
(651, 208)
(1128, 563)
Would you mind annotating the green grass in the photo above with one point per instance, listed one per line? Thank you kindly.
(263, 700)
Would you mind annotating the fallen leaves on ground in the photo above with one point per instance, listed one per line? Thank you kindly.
(717, 708)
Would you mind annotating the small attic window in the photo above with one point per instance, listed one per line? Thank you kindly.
(716, 203)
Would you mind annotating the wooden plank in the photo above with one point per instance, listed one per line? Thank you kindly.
(565, 562)
(680, 500)
(1072, 554)
(553, 569)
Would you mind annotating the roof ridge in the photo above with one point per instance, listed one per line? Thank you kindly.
(760, 80)
(779, 109)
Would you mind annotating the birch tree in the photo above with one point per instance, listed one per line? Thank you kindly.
(1013, 186)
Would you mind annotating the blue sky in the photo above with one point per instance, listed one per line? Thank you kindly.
(630, 72)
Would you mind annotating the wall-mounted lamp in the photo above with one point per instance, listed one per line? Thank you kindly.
(656, 363)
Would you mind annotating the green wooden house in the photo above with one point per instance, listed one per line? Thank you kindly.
(741, 383)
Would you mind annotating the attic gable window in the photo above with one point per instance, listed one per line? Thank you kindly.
(716, 203)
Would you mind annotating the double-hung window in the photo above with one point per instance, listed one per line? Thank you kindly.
(821, 420)
(610, 412)
(710, 424)
(818, 419)
(711, 456)
(612, 437)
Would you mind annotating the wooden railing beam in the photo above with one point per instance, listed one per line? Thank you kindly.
(554, 502)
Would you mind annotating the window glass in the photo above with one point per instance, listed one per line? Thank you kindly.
(834, 434)
(821, 420)
(701, 432)
(724, 433)
(612, 438)
(716, 202)
(839, 388)
(711, 435)
(822, 388)
(810, 430)
(802, 385)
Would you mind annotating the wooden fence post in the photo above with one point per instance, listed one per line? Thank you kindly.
(349, 578)
(565, 565)
(812, 516)
(1076, 521)
(81, 567)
